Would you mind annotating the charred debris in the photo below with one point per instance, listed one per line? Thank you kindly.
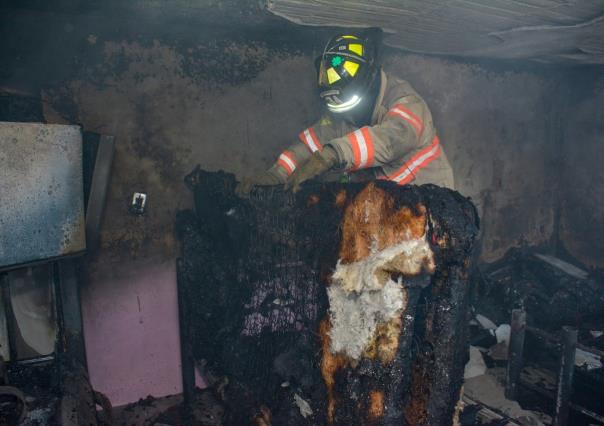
(263, 284)
(563, 321)
(266, 292)
(270, 286)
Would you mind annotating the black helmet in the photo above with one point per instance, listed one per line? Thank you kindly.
(347, 69)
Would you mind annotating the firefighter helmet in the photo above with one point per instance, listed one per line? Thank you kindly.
(346, 70)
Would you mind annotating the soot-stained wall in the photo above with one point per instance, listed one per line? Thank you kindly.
(175, 94)
(497, 130)
(582, 188)
(229, 87)
(166, 121)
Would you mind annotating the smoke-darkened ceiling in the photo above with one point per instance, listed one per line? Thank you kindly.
(550, 31)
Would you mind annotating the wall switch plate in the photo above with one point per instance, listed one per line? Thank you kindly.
(138, 204)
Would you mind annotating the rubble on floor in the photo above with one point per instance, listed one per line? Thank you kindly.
(475, 366)
(553, 292)
(206, 410)
(489, 391)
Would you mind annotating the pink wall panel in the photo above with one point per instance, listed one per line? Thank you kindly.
(131, 331)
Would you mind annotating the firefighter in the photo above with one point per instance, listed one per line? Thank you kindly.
(375, 126)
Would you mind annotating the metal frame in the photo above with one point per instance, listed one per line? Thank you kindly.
(9, 317)
(567, 345)
(565, 376)
(515, 353)
(186, 349)
(68, 315)
(67, 272)
(98, 190)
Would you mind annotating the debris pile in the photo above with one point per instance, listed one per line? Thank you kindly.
(554, 295)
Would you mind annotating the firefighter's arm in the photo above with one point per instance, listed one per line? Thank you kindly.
(399, 133)
(310, 141)
(288, 161)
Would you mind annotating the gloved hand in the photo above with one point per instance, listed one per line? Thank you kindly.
(246, 185)
(319, 163)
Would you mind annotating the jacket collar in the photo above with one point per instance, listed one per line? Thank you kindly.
(380, 97)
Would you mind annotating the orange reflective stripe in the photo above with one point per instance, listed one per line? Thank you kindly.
(362, 148)
(310, 139)
(420, 160)
(369, 140)
(287, 161)
(356, 152)
(399, 110)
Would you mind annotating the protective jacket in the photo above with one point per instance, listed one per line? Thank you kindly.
(400, 144)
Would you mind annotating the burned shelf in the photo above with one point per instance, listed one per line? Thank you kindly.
(343, 304)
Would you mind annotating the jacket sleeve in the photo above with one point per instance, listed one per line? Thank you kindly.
(401, 132)
(309, 140)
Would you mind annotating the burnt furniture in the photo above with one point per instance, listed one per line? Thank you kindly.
(342, 304)
(54, 183)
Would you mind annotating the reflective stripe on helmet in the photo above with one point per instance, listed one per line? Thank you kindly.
(341, 107)
(420, 160)
(332, 75)
(356, 48)
(351, 67)
(362, 148)
(399, 110)
(310, 139)
(287, 161)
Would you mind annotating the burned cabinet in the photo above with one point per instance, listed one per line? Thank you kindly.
(53, 180)
(342, 304)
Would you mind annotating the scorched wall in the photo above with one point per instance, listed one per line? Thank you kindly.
(582, 178)
(222, 84)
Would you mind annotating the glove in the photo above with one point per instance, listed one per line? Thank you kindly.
(319, 163)
(246, 185)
